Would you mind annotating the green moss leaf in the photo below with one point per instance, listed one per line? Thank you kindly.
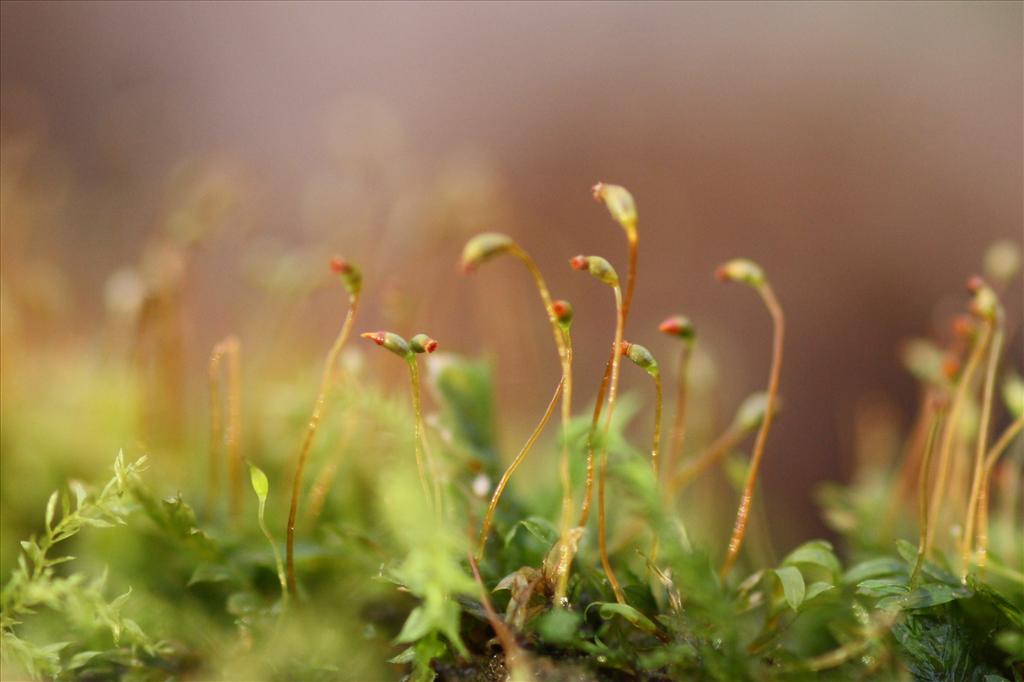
(792, 585)
(874, 568)
(609, 610)
(815, 552)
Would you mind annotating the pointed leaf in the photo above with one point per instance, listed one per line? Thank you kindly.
(792, 585)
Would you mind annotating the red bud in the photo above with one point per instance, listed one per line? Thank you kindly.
(963, 327)
(951, 367)
(339, 265)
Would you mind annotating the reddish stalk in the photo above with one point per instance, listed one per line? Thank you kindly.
(216, 442)
(613, 386)
(353, 283)
(603, 388)
(623, 210)
(741, 271)
(988, 388)
(1001, 445)
(679, 418)
(225, 441)
(485, 528)
(234, 431)
(514, 658)
(922, 494)
(950, 431)
(479, 250)
(680, 327)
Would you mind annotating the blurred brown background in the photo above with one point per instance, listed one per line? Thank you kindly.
(864, 153)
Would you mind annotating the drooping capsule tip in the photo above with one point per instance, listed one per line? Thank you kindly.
(579, 262)
(619, 202)
(741, 270)
(350, 275)
(376, 337)
(482, 248)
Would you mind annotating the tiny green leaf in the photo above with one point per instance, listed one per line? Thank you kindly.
(792, 585)
(415, 627)
(609, 610)
(51, 509)
(874, 568)
(537, 526)
(883, 587)
(817, 552)
(815, 589)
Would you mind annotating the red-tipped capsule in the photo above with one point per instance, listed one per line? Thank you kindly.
(350, 275)
(484, 247)
(974, 284)
(679, 326)
(393, 342)
(563, 311)
(598, 267)
(421, 343)
(641, 357)
(985, 303)
(619, 202)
